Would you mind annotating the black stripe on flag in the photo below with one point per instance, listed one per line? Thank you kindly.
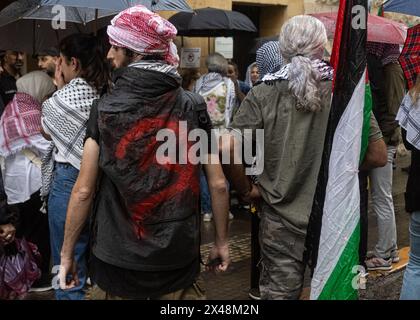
(351, 66)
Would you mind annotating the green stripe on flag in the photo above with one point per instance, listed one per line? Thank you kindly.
(366, 122)
(343, 275)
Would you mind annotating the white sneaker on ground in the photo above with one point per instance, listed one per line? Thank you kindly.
(207, 217)
(43, 288)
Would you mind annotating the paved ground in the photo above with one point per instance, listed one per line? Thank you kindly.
(234, 284)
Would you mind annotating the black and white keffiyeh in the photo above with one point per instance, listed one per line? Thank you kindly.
(269, 58)
(65, 116)
(326, 71)
(155, 65)
(409, 118)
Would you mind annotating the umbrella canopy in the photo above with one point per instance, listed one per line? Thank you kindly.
(410, 55)
(212, 22)
(34, 9)
(26, 26)
(120, 5)
(379, 29)
(411, 7)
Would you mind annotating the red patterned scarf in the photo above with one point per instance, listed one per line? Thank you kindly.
(20, 121)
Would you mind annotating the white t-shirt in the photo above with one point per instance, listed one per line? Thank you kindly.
(22, 177)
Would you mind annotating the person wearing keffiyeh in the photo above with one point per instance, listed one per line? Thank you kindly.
(21, 149)
(409, 120)
(269, 59)
(145, 227)
(81, 73)
(292, 105)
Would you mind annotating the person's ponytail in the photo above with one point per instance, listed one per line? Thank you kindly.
(304, 83)
(302, 40)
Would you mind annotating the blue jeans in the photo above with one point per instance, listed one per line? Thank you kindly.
(204, 194)
(411, 283)
(65, 176)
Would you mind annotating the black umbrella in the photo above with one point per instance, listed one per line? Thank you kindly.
(212, 22)
(26, 25)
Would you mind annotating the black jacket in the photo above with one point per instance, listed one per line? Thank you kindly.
(412, 194)
(146, 215)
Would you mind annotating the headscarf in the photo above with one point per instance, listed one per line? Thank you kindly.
(269, 59)
(20, 125)
(145, 33)
(302, 40)
(248, 80)
(386, 52)
(37, 84)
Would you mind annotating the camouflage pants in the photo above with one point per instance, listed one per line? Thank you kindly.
(282, 267)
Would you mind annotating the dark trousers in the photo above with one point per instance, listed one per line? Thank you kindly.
(364, 198)
(33, 225)
(255, 251)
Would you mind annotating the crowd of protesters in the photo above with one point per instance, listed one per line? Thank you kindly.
(81, 178)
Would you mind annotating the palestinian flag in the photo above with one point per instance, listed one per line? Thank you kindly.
(334, 228)
(381, 12)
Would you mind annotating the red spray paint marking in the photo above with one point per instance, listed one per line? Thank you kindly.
(185, 173)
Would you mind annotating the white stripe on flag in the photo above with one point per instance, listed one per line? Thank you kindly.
(342, 196)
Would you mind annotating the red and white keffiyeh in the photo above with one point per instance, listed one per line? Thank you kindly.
(20, 124)
(144, 32)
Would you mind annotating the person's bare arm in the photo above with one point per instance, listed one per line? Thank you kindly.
(45, 135)
(376, 155)
(235, 172)
(220, 205)
(78, 210)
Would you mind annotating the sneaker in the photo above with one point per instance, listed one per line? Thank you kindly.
(254, 294)
(376, 263)
(395, 256)
(207, 217)
(41, 286)
(246, 206)
(231, 216)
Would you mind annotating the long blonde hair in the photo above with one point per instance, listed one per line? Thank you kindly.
(415, 90)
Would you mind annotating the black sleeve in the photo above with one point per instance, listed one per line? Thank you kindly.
(407, 144)
(92, 130)
(377, 85)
